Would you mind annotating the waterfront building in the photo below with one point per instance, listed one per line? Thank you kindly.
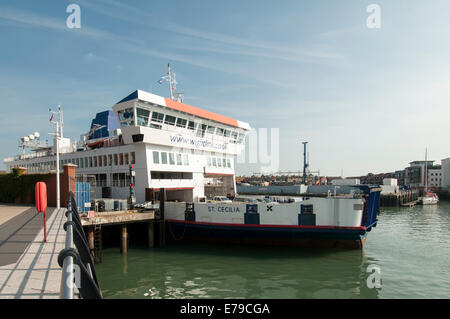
(445, 172)
(415, 174)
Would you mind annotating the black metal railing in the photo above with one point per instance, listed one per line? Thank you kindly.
(76, 260)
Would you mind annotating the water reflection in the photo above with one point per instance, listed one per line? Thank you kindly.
(209, 271)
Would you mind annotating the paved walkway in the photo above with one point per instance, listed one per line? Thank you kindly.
(28, 266)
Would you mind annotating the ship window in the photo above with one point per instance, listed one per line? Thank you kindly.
(142, 117)
(100, 161)
(163, 157)
(191, 125)
(219, 162)
(110, 159)
(179, 162)
(105, 160)
(171, 159)
(219, 131)
(224, 162)
(228, 163)
(90, 162)
(155, 157)
(185, 159)
(214, 163)
(121, 158)
(133, 158)
(155, 126)
(234, 135)
(126, 114)
(126, 159)
(201, 130)
(169, 119)
(226, 133)
(116, 161)
(157, 117)
(241, 138)
(211, 129)
(95, 161)
(181, 122)
(86, 162)
(209, 161)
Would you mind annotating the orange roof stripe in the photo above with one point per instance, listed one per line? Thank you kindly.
(200, 113)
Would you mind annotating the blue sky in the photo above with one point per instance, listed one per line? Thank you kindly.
(367, 100)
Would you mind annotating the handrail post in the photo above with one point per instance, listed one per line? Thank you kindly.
(67, 280)
(75, 259)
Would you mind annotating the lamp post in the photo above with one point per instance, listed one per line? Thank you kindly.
(58, 135)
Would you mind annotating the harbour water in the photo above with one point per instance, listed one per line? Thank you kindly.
(410, 247)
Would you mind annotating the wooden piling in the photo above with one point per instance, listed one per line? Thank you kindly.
(124, 239)
(90, 235)
(151, 235)
(162, 224)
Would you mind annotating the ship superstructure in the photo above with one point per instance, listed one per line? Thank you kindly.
(186, 150)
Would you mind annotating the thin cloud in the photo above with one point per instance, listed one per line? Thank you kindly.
(124, 43)
(240, 44)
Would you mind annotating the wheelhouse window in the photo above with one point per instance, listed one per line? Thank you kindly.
(201, 130)
(142, 116)
(219, 131)
(126, 117)
(179, 161)
(181, 122)
(153, 125)
(192, 125)
(185, 159)
(169, 119)
(157, 117)
(211, 129)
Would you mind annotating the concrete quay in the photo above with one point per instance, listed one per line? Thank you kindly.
(28, 266)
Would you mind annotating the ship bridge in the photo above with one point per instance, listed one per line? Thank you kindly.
(182, 148)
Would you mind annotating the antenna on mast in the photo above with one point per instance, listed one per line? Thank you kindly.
(171, 78)
(172, 82)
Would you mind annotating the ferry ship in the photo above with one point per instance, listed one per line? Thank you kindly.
(154, 142)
